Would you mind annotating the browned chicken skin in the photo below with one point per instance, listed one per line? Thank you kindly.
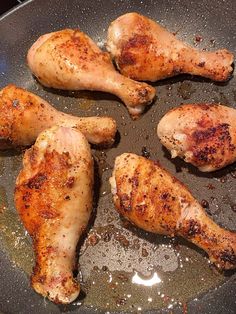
(69, 59)
(202, 134)
(53, 197)
(156, 201)
(24, 115)
(143, 50)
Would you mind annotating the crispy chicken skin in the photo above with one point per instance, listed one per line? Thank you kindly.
(143, 50)
(53, 197)
(69, 59)
(24, 115)
(202, 134)
(154, 200)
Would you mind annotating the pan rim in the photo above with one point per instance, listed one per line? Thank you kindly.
(12, 11)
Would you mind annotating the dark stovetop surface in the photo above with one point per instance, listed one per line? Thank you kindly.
(8, 4)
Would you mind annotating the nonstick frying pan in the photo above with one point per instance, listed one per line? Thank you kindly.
(122, 266)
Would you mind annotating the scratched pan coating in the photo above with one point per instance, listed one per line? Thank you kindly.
(115, 253)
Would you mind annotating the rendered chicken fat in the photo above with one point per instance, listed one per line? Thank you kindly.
(154, 200)
(53, 197)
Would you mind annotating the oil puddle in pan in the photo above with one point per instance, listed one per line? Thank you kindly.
(186, 90)
(86, 100)
(3, 200)
(102, 172)
(16, 241)
(123, 268)
(1, 166)
(127, 269)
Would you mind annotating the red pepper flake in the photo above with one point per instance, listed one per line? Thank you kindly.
(198, 38)
(185, 308)
(210, 186)
(93, 239)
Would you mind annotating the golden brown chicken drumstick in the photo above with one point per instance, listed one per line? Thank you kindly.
(202, 134)
(69, 59)
(156, 201)
(143, 50)
(53, 196)
(24, 115)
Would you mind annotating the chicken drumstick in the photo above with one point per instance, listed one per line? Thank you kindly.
(145, 51)
(156, 201)
(53, 197)
(24, 115)
(69, 59)
(202, 134)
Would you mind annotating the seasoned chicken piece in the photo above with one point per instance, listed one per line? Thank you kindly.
(154, 200)
(69, 59)
(24, 115)
(143, 50)
(202, 134)
(53, 197)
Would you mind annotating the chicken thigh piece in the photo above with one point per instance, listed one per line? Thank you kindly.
(24, 115)
(143, 50)
(202, 134)
(154, 200)
(53, 197)
(69, 59)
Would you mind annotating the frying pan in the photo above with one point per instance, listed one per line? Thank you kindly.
(115, 254)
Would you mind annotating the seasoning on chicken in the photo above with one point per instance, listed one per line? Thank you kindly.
(24, 115)
(144, 50)
(53, 197)
(69, 59)
(154, 200)
(202, 134)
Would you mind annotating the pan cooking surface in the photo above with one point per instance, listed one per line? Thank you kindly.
(121, 267)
